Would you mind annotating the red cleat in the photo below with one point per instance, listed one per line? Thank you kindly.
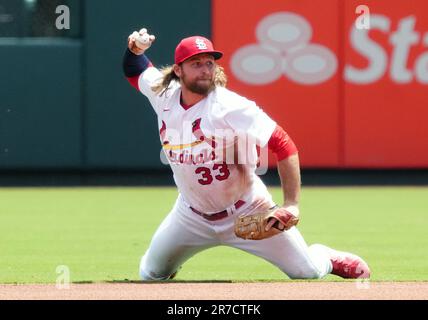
(348, 265)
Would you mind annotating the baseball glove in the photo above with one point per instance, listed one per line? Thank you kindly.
(253, 227)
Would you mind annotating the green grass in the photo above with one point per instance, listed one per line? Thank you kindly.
(101, 233)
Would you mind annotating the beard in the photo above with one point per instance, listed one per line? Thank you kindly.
(202, 88)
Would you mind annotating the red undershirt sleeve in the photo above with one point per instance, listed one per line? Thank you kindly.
(133, 81)
(281, 144)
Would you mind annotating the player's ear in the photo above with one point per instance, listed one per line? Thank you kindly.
(177, 70)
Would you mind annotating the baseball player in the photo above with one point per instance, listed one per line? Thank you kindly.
(221, 200)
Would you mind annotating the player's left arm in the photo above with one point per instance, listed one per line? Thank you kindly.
(255, 123)
(289, 172)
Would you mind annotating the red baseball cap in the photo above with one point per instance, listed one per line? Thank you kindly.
(188, 47)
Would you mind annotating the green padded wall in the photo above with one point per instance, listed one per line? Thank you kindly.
(121, 128)
(40, 104)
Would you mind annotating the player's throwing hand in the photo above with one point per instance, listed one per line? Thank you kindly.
(138, 42)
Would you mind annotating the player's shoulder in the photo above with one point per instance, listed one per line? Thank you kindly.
(224, 95)
(228, 99)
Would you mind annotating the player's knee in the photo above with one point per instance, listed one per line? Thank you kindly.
(152, 276)
(148, 274)
(153, 272)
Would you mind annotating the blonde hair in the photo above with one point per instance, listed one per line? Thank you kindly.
(220, 79)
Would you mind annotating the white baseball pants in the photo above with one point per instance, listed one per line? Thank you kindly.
(183, 233)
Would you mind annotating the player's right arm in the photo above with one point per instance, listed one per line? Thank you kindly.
(135, 62)
(137, 67)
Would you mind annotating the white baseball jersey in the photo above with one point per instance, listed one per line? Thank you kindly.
(210, 171)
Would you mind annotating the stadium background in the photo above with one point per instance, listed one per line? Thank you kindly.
(68, 117)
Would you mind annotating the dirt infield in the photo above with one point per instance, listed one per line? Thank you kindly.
(221, 291)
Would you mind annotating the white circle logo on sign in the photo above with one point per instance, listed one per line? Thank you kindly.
(283, 49)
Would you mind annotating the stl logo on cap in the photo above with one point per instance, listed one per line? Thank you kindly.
(200, 43)
(194, 45)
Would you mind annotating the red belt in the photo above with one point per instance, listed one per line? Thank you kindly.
(218, 215)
